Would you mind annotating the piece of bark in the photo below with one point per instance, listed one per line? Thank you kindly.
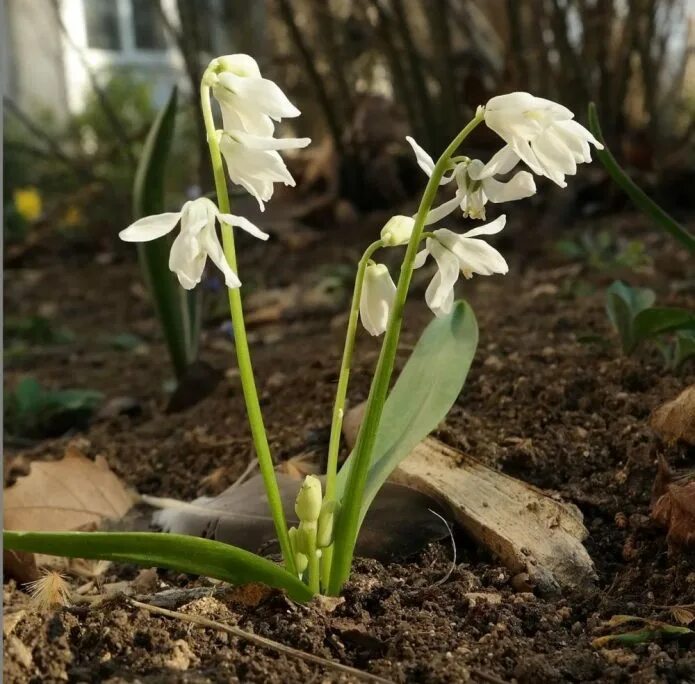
(529, 531)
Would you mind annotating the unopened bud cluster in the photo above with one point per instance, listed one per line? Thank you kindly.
(316, 518)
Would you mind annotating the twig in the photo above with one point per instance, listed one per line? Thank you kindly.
(104, 102)
(487, 677)
(260, 641)
(329, 111)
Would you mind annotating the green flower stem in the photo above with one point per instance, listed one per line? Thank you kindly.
(347, 523)
(341, 393)
(241, 344)
(313, 569)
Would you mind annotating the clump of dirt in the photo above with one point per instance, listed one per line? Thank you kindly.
(549, 399)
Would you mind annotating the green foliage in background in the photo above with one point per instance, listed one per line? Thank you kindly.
(34, 411)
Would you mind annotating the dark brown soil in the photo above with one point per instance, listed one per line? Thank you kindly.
(566, 415)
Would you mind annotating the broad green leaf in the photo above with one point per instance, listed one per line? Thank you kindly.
(634, 192)
(426, 389)
(175, 551)
(660, 319)
(176, 309)
(623, 303)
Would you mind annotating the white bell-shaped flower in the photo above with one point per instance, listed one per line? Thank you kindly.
(248, 101)
(459, 254)
(476, 185)
(541, 133)
(196, 242)
(254, 163)
(376, 299)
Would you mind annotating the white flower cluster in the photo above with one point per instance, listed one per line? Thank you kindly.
(250, 104)
(540, 133)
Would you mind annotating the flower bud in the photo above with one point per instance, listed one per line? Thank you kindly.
(376, 300)
(324, 535)
(397, 231)
(301, 562)
(308, 503)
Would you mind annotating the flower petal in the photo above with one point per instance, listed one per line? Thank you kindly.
(491, 228)
(521, 185)
(266, 96)
(438, 291)
(444, 209)
(501, 162)
(421, 258)
(150, 227)
(211, 244)
(187, 260)
(244, 224)
(258, 142)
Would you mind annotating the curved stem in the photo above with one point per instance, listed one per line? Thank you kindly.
(347, 524)
(248, 384)
(341, 393)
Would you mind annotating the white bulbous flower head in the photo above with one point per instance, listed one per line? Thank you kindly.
(254, 163)
(376, 299)
(475, 185)
(248, 101)
(196, 242)
(459, 254)
(542, 133)
(397, 231)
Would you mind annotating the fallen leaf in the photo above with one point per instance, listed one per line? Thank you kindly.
(70, 494)
(676, 510)
(682, 615)
(675, 420)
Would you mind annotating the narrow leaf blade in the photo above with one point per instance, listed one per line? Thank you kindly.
(634, 192)
(426, 389)
(171, 301)
(174, 551)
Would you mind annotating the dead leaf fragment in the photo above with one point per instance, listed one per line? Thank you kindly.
(676, 510)
(675, 420)
(683, 615)
(70, 494)
(11, 620)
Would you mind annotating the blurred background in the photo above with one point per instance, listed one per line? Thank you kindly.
(85, 78)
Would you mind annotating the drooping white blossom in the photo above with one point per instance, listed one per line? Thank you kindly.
(459, 254)
(196, 242)
(248, 101)
(475, 185)
(254, 163)
(376, 300)
(542, 133)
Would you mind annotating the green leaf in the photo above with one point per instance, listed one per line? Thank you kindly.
(426, 389)
(684, 349)
(175, 551)
(176, 308)
(661, 319)
(634, 192)
(623, 303)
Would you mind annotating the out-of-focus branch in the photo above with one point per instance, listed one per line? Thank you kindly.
(415, 62)
(109, 112)
(333, 52)
(52, 150)
(329, 110)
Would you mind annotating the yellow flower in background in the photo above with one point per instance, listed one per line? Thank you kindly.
(72, 216)
(28, 203)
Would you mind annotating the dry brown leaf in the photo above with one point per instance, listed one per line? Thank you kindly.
(676, 510)
(70, 494)
(11, 620)
(682, 615)
(675, 420)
